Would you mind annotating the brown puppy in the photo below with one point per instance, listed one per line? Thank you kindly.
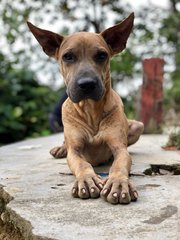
(95, 126)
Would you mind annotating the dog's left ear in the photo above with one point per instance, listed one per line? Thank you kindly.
(49, 41)
(116, 37)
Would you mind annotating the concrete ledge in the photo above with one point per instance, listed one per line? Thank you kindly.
(42, 206)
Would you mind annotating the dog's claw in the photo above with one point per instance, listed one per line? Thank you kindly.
(92, 190)
(74, 192)
(115, 195)
(123, 195)
(83, 190)
(104, 192)
(101, 186)
(134, 196)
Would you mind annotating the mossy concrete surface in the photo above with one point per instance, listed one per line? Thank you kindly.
(35, 199)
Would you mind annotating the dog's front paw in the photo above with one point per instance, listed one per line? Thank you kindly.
(59, 152)
(88, 186)
(117, 190)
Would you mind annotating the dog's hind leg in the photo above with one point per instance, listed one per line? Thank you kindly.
(135, 130)
(59, 152)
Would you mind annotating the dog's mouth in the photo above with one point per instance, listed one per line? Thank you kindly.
(85, 87)
(79, 98)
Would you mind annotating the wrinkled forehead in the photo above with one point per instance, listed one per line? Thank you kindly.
(84, 40)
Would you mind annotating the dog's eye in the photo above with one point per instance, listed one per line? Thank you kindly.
(100, 56)
(69, 57)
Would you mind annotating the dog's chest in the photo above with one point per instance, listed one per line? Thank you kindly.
(97, 153)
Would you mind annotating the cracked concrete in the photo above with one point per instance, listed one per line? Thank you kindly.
(35, 200)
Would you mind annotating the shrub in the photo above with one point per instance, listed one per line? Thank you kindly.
(174, 140)
(25, 104)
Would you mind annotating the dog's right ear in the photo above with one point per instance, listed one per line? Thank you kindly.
(49, 41)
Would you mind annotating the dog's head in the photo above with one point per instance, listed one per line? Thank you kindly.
(84, 57)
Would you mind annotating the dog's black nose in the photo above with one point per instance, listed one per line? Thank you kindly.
(87, 84)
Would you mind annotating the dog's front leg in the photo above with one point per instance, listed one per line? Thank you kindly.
(117, 188)
(87, 183)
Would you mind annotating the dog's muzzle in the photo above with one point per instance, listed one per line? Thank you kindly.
(85, 86)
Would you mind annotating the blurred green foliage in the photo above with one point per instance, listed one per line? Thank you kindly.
(173, 94)
(123, 66)
(171, 31)
(24, 105)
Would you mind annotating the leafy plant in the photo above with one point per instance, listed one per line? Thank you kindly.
(25, 103)
(174, 140)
